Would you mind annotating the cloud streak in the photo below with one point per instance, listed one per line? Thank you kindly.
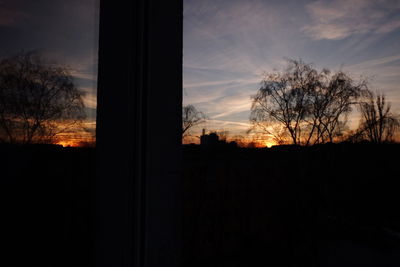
(376, 62)
(338, 19)
(383, 74)
(90, 98)
(218, 83)
(227, 106)
(233, 127)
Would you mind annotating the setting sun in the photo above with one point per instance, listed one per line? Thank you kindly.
(67, 143)
(268, 144)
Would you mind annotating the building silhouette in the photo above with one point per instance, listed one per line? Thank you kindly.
(212, 140)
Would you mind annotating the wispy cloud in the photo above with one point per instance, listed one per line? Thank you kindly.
(232, 105)
(90, 98)
(233, 127)
(223, 82)
(388, 26)
(236, 35)
(377, 62)
(383, 74)
(210, 87)
(229, 106)
(338, 19)
(83, 75)
(225, 123)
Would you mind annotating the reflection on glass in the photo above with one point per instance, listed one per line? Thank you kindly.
(48, 72)
(48, 79)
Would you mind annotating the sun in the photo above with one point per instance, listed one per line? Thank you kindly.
(66, 143)
(268, 144)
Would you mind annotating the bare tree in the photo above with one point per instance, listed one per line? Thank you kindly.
(378, 124)
(38, 100)
(223, 135)
(332, 101)
(191, 117)
(282, 99)
(239, 140)
(305, 105)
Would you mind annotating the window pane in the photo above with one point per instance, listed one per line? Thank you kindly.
(48, 80)
(290, 120)
(49, 72)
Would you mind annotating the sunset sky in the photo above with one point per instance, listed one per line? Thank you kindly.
(63, 30)
(228, 44)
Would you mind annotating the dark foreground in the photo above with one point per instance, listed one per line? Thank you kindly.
(330, 205)
(46, 206)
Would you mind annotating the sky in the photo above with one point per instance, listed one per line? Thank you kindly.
(229, 44)
(64, 31)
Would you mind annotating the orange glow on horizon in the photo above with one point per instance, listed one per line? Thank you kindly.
(75, 143)
(262, 143)
(67, 143)
(267, 144)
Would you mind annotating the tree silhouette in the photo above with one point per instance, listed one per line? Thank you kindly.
(38, 100)
(239, 140)
(304, 105)
(190, 118)
(223, 135)
(378, 124)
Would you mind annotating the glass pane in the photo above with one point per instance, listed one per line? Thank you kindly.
(290, 117)
(48, 80)
(48, 72)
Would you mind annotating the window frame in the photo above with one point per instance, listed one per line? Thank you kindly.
(137, 187)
